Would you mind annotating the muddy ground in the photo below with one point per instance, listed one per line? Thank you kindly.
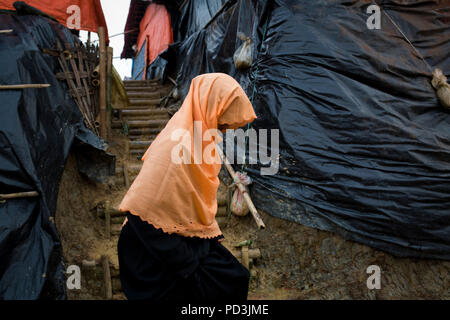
(297, 262)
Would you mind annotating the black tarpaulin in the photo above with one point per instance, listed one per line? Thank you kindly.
(37, 130)
(194, 15)
(364, 142)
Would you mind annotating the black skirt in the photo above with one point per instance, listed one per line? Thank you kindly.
(168, 267)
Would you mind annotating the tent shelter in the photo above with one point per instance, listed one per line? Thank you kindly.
(154, 35)
(91, 13)
(38, 129)
(364, 144)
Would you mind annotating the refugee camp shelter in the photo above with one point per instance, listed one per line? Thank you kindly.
(44, 116)
(148, 32)
(364, 144)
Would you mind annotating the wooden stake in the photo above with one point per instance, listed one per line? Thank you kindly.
(30, 194)
(125, 174)
(252, 253)
(89, 39)
(109, 66)
(103, 58)
(24, 86)
(112, 213)
(107, 220)
(96, 72)
(245, 257)
(222, 211)
(89, 263)
(107, 277)
(241, 187)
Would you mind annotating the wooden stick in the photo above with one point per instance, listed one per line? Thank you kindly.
(6, 31)
(112, 213)
(96, 72)
(252, 254)
(221, 211)
(241, 187)
(95, 82)
(109, 66)
(103, 57)
(89, 39)
(30, 194)
(125, 174)
(107, 277)
(88, 263)
(24, 86)
(107, 220)
(245, 257)
(117, 220)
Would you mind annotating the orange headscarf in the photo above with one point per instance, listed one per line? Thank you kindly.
(181, 197)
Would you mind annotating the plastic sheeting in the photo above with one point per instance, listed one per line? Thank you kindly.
(364, 143)
(37, 130)
(137, 72)
(155, 31)
(135, 14)
(194, 15)
(91, 12)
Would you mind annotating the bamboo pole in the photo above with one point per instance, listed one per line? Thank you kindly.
(103, 58)
(107, 220)
(89, 39)
(241, 187)
(245, 257)
(109, 66)
(252, 253)
(89, 263)
(221, 211)
(30, 194)
(24, 86)
(112, 213)
(96, 72)
(107, 277)
(95, 82)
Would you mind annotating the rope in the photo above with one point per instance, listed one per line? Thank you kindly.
(410, 43)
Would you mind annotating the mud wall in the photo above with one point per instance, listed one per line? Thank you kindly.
(303, 263)
(297, 262)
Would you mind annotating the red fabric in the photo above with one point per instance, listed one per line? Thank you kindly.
(157, 27)
(91, 11)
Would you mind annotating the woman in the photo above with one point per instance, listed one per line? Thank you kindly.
(169, 246)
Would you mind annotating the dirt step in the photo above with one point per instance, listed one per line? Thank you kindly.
(142, 137)
(146, 117)
(144, 102)
(144, 94)
(143, 131)
(140, 83)
(145, 114)
(152, 89)
(140, 144)
(140, 124)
